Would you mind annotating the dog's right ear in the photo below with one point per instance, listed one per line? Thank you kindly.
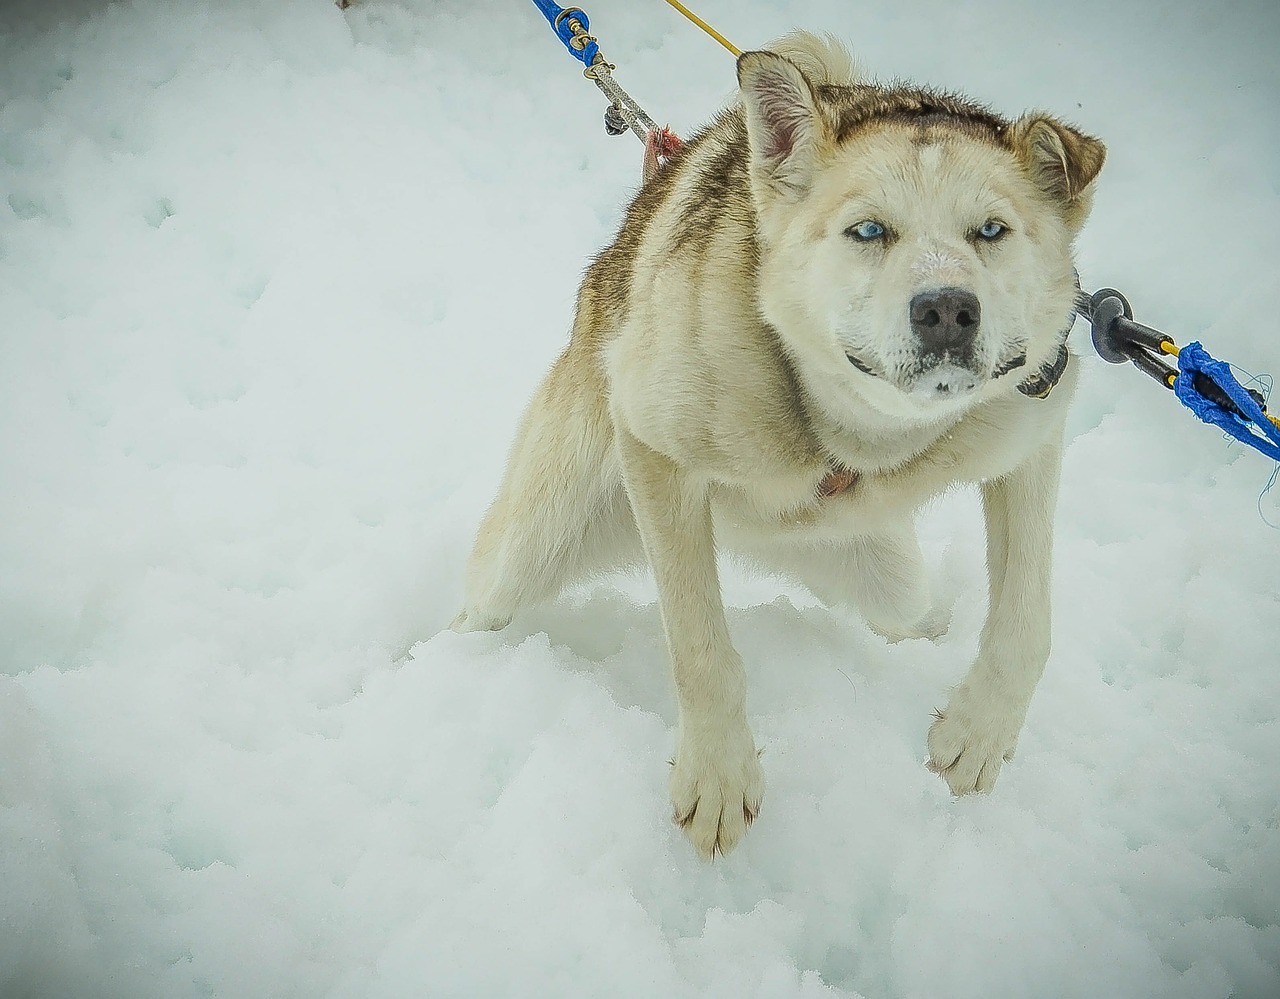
(784, 125)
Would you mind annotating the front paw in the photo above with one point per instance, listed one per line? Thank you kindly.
(716, 787)
(971, 740)
(471, 620)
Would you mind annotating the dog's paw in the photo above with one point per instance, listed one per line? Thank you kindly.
(932, 626)
(972, 739)
(716, 787)
(473, 620)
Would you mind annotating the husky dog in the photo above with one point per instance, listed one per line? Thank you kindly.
(835, 302)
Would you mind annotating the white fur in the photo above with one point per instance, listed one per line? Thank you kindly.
(672, 428)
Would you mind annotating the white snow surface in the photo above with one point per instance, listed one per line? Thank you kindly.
(275, 283)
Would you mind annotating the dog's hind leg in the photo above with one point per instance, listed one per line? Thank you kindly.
(881, 575)
(888, 582)
(561, 512)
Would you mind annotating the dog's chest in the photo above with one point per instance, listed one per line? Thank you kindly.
(829, 499)
(857, 488)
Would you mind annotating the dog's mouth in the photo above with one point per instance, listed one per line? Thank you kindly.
(1015, 362)
(946, 378)
(862, 365)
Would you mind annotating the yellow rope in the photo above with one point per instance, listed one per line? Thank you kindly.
(1169, 347)
(706, 27)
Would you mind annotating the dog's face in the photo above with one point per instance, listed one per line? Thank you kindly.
(916, 250)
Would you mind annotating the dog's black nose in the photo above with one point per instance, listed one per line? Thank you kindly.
(946, 319)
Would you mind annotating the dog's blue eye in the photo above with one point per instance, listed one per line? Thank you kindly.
(991, 230)
(866, 231)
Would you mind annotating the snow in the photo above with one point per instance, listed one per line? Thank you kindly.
(276, 281)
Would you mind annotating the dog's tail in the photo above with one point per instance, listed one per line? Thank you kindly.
(823, 59)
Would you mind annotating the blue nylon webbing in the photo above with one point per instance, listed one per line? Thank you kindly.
(587, 55)
(1194, 358)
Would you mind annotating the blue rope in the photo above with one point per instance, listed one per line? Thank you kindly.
(1257, 431)
(585, 55)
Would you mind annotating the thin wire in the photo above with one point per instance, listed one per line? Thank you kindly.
(706, 27)
(1275, 474)
(1266, 384)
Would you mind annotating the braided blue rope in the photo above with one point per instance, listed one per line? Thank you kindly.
(587, 54)
(1256, 431)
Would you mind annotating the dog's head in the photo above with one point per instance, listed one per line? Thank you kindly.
(915, 248)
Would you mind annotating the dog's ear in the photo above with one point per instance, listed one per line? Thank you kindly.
(1061, 160)
(784, 125)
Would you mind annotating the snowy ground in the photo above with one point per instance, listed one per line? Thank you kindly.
(275, 282)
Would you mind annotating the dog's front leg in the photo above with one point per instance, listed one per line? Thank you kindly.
(716, 781)
(978, 730)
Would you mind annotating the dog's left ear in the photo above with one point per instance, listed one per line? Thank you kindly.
(784, 125)
(1061, 160)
